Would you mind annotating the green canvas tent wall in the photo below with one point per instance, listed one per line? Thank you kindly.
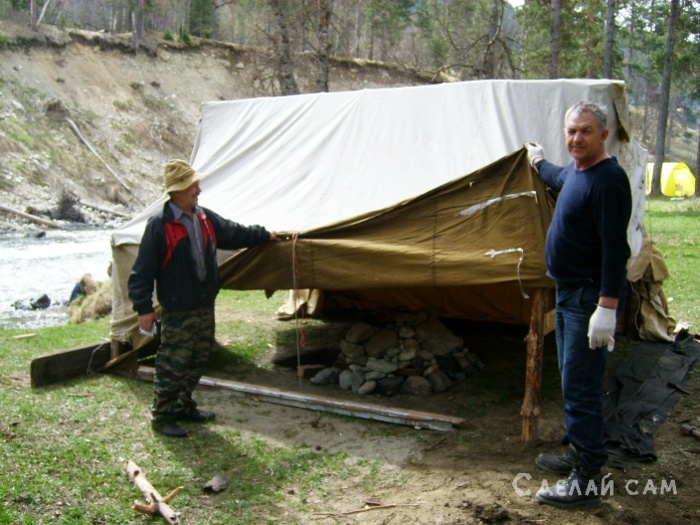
(676, 179)
(407, 197)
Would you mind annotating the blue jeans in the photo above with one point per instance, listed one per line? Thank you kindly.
(582, 371)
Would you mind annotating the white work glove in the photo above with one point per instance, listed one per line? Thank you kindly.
(535, 152)
(601, 328)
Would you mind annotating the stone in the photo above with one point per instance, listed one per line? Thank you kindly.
(359, 333)
(379, 365)
(345, 379)
(406, 332)
(416, 386)
(412, 344)
(408, 354)
(439, 381)
(393, 351)
(367, 388)
(327, 376)
(351, 350)
(381, 341)
(358, 379)
(373, 375)
(390, 386)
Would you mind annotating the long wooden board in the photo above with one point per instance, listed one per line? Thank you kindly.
(67, 364)
(414, 418)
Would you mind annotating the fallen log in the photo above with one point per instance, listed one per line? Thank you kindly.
(32, 218)
(103, 209)
(414, 418)
(156, 504)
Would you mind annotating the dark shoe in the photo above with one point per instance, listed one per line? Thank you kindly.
(580, 488)
(558, 464)
(169, 428)
(196, 415)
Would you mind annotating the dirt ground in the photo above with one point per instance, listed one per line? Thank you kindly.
(481, 472)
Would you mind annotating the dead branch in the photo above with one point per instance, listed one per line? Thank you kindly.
(376, 507)
(155, 503)
(33, 218)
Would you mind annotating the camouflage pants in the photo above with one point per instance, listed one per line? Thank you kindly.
(185, 341)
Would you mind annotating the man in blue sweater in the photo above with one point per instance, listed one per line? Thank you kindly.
(586, 252)
(177, 254)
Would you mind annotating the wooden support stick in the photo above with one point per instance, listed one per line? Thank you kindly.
(155, 503)
(412, 418)
(32, 218)
(530, 410)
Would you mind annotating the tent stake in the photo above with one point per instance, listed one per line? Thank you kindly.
(530, 410)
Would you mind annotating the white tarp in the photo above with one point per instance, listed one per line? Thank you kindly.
(300, 162)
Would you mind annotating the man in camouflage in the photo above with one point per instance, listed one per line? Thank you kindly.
(177, 256)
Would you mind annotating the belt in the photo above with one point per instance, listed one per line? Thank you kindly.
(581, 283)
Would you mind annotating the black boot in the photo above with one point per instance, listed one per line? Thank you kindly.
(168, 427)
(582, 487)
(562, 464)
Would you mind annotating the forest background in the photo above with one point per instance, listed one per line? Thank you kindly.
(653, 45)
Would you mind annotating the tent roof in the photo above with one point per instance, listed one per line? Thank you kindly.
(300, 162)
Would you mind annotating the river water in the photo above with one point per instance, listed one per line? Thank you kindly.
(31, 267)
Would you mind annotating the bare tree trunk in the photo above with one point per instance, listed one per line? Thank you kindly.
(609, 39)
(697, 166)
(489, 66)
(325, 8)
(285, 68)
(554, 42)
(137, 24)
(664, 101)
(647, 108)
(672, 105)
(35, 16)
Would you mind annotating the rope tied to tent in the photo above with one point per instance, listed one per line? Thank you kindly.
(493, 253)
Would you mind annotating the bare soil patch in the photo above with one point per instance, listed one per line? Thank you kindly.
(479, 473)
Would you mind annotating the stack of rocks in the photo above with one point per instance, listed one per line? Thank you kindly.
(416, 355)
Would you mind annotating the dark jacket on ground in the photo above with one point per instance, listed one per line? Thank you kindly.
(165, 257)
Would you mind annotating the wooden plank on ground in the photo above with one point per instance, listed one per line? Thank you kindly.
(67, 364)
(414, 418)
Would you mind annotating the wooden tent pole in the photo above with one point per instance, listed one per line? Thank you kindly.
(530, 410)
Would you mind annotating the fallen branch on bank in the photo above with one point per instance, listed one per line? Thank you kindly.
(32, 218)
(156, 504)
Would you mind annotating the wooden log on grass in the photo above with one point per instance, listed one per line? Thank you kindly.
(155, 503)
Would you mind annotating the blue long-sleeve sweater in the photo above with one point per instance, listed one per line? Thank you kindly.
(587, 238)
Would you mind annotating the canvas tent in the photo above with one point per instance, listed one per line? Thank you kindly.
(407, 198)
(676, 179)
(404, 197)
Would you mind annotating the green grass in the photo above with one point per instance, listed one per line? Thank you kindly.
(63, 448)
(674, 228)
